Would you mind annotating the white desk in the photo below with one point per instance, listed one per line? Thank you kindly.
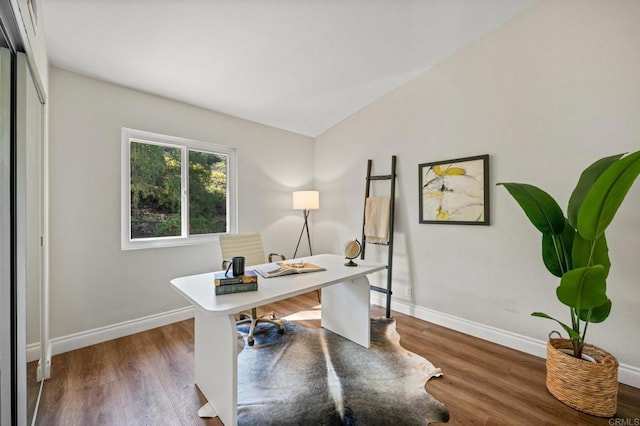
(345, 311)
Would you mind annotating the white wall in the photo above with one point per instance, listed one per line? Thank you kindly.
(94, 283)
(545, 95)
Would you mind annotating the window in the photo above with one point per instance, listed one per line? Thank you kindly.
(175, 191)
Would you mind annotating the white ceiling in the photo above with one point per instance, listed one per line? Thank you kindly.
(299, 65)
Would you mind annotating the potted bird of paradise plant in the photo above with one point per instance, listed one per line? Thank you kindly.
(574, 249)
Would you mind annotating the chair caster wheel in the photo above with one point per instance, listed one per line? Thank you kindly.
(250, 342)
(280, 330)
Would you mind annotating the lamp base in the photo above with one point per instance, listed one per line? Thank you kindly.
(351, 263)
(304, 227)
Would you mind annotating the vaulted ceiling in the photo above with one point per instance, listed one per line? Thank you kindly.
(299, 65)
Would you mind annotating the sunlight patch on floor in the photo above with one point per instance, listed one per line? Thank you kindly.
(313, 314)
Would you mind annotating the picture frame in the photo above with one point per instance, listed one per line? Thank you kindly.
(455, 192)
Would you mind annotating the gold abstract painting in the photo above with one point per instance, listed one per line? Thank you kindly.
(455, 191)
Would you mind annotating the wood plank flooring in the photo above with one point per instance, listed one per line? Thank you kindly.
(147, 379)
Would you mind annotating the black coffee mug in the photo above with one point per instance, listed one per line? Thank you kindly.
(237, 263)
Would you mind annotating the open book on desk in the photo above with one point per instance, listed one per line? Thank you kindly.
(279, 269)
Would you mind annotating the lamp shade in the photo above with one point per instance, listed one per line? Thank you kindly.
(306, 200)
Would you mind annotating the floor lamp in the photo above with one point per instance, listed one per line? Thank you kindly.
(305, 201)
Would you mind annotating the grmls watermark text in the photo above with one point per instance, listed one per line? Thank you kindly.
(625, 422)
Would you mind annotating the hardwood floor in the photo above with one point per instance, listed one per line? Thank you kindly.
(147, 378)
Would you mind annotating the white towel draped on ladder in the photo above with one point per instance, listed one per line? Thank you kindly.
(376, 219)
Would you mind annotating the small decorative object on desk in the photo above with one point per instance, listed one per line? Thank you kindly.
(222, 278)
(351, 251)
(285, 268)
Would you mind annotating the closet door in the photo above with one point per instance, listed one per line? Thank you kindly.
(21, 222)
(29, 241)
(7, 319)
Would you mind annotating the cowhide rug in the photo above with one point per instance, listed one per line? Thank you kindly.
(311, 376)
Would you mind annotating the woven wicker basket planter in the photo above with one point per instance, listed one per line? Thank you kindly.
(590, 387)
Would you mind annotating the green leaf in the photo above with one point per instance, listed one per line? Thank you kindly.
(606, 195)
(541, 209)
(587, 179)
(598, 314)
(583, 288)
(557, 251)
(582, 250)
(571, 332)
(550, 256)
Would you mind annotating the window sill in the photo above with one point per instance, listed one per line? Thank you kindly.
(150, 243)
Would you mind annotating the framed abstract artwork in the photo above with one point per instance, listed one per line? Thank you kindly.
(455, 191)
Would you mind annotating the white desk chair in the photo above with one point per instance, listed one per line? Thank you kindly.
(250, 246)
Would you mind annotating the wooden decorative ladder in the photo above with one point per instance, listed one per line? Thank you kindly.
(392, 178)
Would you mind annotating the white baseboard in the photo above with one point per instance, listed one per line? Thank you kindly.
(33, 352)
(627, 374)
(98, 335)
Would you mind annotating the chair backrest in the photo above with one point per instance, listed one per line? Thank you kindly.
(247, 245)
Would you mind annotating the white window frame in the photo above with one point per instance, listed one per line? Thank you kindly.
(133, 135)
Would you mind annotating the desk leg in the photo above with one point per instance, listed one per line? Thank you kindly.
(346, 310)
(216, 366)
